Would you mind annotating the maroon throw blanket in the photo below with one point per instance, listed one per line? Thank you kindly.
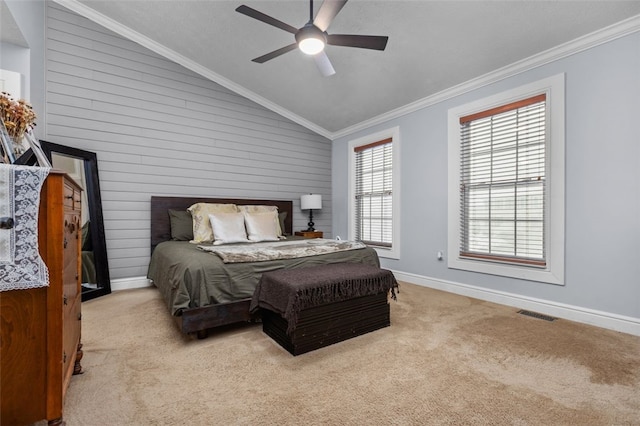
(288, 291)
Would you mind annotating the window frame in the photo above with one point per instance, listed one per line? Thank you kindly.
(392, 252)
(553, 272)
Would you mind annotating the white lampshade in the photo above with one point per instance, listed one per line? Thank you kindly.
(311, 201)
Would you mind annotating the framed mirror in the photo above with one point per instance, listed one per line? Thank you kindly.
(82, 166)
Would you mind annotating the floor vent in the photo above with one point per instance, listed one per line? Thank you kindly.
(537, 315)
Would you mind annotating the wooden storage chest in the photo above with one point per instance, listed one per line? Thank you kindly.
(325, 325)
(309, 308)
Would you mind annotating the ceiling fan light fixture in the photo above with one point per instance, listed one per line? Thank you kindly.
(311, 46)
(311, 40)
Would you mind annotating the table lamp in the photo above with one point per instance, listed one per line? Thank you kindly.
(311, 202)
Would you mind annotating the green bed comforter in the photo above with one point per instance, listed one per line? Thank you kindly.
(189, 277)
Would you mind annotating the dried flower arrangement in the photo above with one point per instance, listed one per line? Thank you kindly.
(17, 120)
(18, 116)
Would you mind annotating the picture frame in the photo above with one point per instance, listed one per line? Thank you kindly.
(34, 155)
(36, 149)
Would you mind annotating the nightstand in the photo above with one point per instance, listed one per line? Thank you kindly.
(309, 234)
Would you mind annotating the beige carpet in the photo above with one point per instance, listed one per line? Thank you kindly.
(445, 360)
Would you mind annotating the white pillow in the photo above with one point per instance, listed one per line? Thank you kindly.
(228, 228)
(262, 226)
(251, 208)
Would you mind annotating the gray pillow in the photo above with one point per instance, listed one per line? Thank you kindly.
(281, 217)
(181, 225)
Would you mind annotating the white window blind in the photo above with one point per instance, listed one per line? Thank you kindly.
(502, 183)
(373, 193)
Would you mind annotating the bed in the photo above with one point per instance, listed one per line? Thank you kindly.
(203, 292)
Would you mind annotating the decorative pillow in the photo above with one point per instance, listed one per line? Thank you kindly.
(263, 209)
(228, 228)
(281, 217)
(202, 232)
(181, 225)
(262, 226)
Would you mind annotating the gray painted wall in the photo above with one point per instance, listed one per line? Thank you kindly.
(159, 129)
(602, 183)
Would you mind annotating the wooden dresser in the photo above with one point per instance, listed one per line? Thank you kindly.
(40, 328)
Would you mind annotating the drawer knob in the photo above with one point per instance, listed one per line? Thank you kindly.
(6, 222)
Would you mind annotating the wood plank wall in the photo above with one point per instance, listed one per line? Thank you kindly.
(159, 129)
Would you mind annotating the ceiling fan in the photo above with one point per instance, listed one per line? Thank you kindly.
(312, 37)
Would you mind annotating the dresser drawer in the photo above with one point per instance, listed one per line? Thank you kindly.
(72, 197)
(71, 249)
(67, 198)
(71, 336)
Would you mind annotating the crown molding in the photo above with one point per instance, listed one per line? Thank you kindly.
(596, 38)
(126, 32)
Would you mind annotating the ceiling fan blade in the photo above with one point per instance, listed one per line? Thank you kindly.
(275, 53)
(324, 64)
(362, 41)
(246, 10)
(328, 10)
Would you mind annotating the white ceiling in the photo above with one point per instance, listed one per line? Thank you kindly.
(433, 46)
(9, 31)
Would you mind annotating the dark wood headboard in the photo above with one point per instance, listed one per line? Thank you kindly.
(161, 226)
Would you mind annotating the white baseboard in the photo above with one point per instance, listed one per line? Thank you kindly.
(129, 283)
(602, 319)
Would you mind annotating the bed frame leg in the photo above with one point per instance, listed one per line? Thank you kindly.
(202, 334)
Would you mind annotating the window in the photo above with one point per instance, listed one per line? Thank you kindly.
(502, 183)
(374, 199)
(509, 159)
(374, 193)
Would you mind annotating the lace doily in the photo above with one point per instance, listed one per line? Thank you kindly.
(21, 266)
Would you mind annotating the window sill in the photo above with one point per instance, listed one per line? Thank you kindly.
(388, 253)
(513, 271)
